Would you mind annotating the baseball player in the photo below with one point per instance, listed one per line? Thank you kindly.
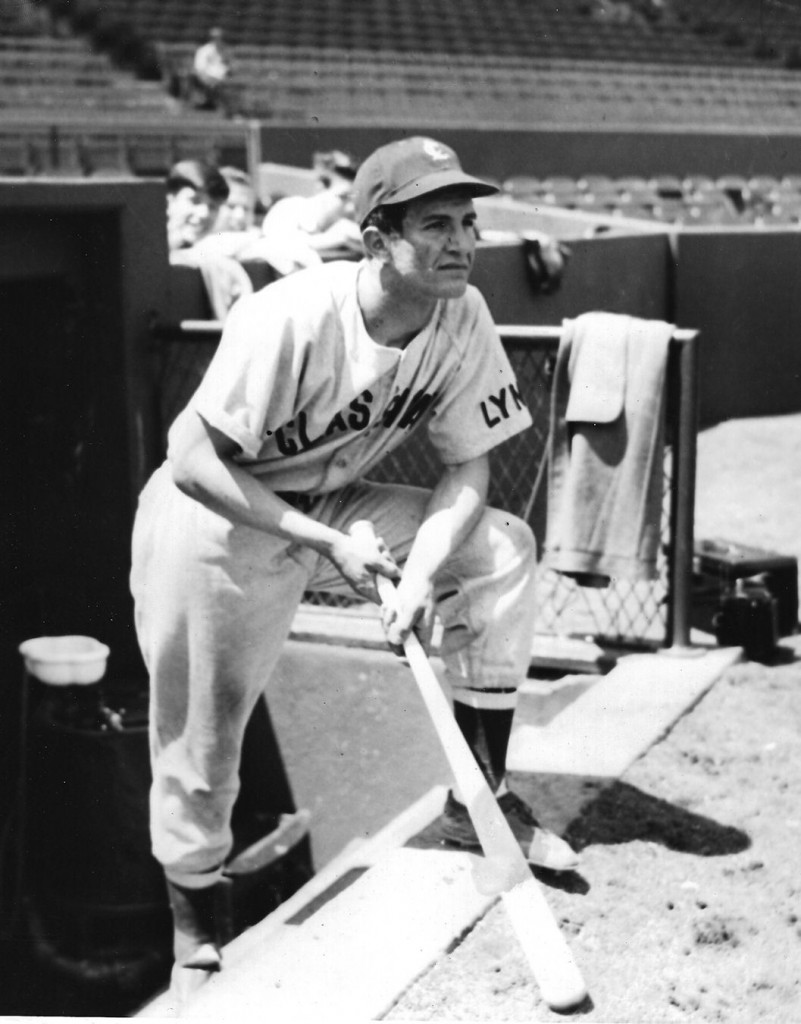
(316, 378)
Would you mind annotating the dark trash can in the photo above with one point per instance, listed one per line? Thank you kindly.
(96, 900)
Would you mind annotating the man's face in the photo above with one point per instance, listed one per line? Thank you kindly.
(342, 188)
(334, 202)
(237, 212)
(434, 253)
(190, 213)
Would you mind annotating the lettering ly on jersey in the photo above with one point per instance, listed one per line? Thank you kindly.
(404, 410)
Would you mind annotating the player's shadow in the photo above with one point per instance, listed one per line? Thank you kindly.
(620, 813)
(572, 882)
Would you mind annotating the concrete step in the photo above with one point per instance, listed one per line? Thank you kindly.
(403, 907)
(598, 726)
(352, 959)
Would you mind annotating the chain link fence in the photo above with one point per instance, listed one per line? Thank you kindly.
(624, 613)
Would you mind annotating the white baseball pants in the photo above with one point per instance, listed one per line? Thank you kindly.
(215, 601)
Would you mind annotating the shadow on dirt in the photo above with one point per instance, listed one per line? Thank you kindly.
(568, 881)
(779, 656)
(623, 814)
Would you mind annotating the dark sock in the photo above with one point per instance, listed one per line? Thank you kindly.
(487, 733)
(201, 917)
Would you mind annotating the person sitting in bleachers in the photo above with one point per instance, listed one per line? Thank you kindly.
(195, 193)
(211, 74)
(308, 229)
(613, 11)
(653, 10)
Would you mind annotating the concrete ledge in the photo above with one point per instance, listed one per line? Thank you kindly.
(356, 626)
(373, 893)
(352, 959)
(360, 626)
(607, 722)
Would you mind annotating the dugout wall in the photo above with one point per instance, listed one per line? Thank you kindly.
(739, 287)
(81, 276)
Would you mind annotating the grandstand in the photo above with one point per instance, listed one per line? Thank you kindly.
(71, 106)
(47, 73)
(89, 86)
(453, 63)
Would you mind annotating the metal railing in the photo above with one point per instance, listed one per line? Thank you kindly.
(648, 614)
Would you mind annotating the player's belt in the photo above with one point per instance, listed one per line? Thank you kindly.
(301, 502)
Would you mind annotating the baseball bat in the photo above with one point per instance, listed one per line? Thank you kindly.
(548, 954)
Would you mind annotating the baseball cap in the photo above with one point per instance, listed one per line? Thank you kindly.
(408, 169)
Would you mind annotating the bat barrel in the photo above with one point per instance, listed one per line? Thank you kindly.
(543, 943)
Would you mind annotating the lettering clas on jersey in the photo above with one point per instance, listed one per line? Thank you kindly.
(317, 405)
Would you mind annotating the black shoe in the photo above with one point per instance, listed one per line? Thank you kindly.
(541, 847)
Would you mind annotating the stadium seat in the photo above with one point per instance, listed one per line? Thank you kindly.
(593, 182)
(632, 183)
(667, 186)
(764, 184)
(694, 184)
(732, 183)
(65, 158)
(15, 154)
(522, 186)
(150, 155)
(105, 154)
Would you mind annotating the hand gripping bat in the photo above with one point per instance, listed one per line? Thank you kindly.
(507, 872)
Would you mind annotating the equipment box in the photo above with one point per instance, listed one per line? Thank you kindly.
(718, 564)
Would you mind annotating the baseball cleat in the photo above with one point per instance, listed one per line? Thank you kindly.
(541, 847)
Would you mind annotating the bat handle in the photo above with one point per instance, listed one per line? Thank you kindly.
(386, 589)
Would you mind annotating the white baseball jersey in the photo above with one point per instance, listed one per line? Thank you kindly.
(313, 402)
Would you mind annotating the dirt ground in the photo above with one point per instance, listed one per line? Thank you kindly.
(687, 905)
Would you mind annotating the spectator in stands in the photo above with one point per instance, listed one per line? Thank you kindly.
(613, 11)
(195, 193)
(655, 10)
(307, 228)
(211, 74)
(235, 232)
(240, 210)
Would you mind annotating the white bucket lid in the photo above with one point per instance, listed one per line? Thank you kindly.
(64, 660)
